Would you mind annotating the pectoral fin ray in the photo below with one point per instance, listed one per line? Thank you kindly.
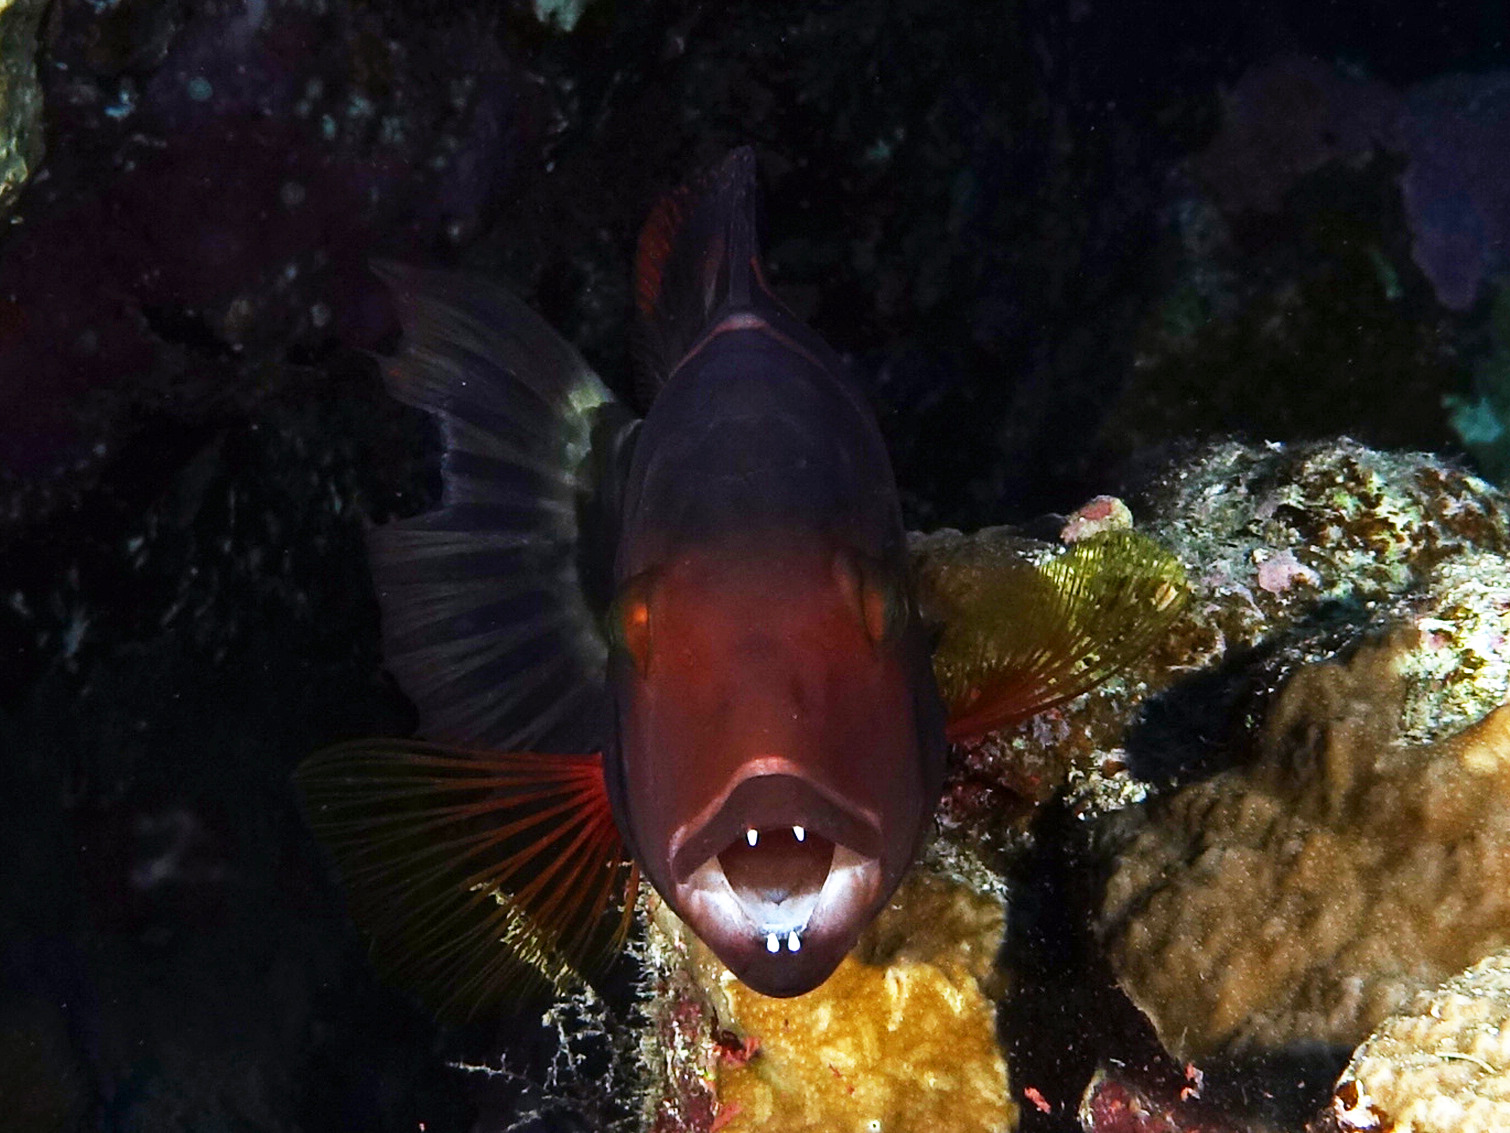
(481, 878)
(1025, 626)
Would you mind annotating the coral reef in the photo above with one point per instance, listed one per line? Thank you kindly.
(20, 97)
(232, 167)
(193, 442)
(1325, 837)
(1290, 552)
(1440, 1065)
(1305, 897)
(901, 1038)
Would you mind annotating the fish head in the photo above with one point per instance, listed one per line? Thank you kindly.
(774, 773)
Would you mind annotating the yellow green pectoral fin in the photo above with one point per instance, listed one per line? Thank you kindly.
(1025, 626)
(481, 877)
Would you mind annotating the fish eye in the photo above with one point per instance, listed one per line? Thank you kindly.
(873, 597)
(629, 621)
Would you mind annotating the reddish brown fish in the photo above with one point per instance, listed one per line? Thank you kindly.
(700, 624)
(779, 744)
(714, 598)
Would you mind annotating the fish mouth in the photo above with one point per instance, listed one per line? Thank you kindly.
(779, 880)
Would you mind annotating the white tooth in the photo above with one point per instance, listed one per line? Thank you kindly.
(752, 836)
(794, 942)
(799, 833)
(772, 944)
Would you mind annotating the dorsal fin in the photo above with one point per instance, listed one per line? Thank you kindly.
(699, 252)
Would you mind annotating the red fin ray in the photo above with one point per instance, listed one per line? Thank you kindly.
(1026, 628)
(480, 877)
(698, 251)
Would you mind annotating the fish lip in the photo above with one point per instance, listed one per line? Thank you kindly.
(785, 796)
(828, 925)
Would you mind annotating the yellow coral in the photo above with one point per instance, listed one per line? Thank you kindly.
(900, 1039)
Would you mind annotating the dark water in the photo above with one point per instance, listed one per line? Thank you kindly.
(1061, 242)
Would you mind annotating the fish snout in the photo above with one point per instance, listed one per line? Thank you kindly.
(779, 882)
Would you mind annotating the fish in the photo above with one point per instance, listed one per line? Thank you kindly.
(684, 647)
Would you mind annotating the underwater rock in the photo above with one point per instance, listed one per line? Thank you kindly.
(1117, 1103)
(1305, 897)
(901, 1037)
(20, 97)
(324, 138)
(1352, 533)
(1292, 115)
(1442, 1065)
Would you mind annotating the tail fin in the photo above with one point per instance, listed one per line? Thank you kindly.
(491, 604)
(698, 251)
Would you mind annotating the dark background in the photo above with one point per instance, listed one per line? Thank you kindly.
(1012, 217)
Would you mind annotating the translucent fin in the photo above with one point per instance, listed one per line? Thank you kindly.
(481, 878)
(1023, 628)
(491, 604)
(698, 251)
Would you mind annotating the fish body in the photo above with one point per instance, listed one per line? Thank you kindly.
(781, 682)
(685, 646)
(714, 599)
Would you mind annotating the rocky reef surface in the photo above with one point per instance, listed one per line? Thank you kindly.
(1439, 1065)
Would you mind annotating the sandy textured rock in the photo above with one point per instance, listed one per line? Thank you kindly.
(1308, 896)
(1440, 1066)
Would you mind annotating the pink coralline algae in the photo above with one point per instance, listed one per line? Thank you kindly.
(1279, 571)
